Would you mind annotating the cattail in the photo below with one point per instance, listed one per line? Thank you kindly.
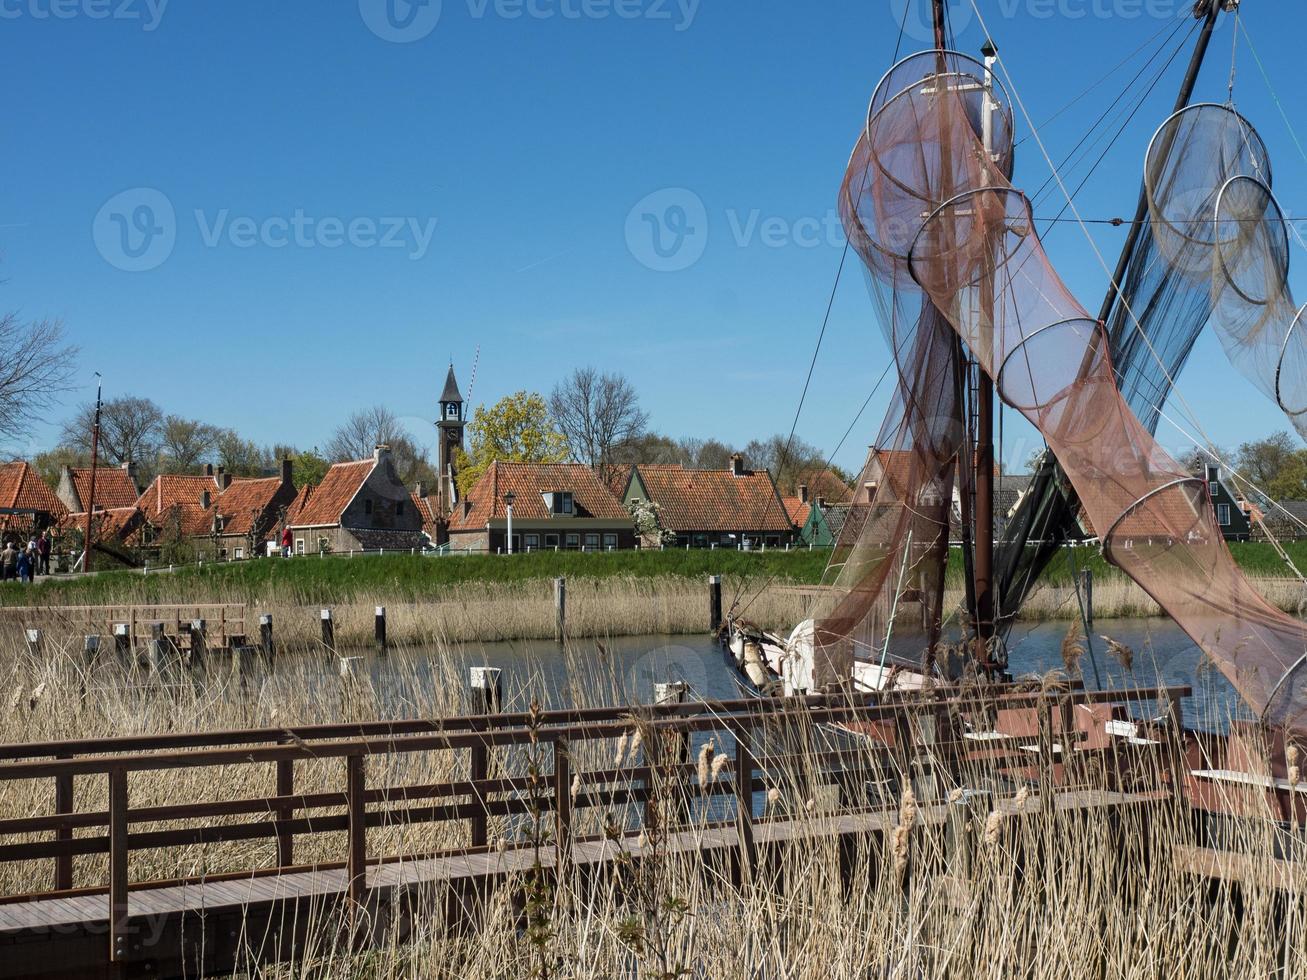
(17, 697)
(1123, 654)
(37, 693)
(1291, 755)
(1073, 648)
(954, 794)
(705, 764)
(1295, 775)
(501, 845)
(773, 796)
(1023, 794)
(902, 837)
(621, 751)
(718, 764)
(636, 739)
(576, 786)
(643, 840)
(810, 805)
(908, 808)
(993, 824)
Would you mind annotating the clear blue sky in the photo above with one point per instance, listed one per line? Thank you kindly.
(528, 132)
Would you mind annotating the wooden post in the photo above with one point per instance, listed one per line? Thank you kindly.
(487, 697)
(118, 854)
(1087, 584)
(285, 811)
(1046, 758)
(199, 642)
(1175, 746)
(34, 641)
(158, 652)
(265, 635)
(379, 628)
(357, 861)
(671, 749)
(714, 603)
(90, 649)
(328, 631)
(748, 854)
(560, 608)
(562, 802)
(63, 806)
(122, 643)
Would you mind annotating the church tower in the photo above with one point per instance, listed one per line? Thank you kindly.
(450, 426)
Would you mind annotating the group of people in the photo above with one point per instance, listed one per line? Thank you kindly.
(25, 561)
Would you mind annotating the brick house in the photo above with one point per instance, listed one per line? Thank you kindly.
(435, 524)
(358, 506)
(714, 508)
(27, 504)
(118, 532)
(219, 516)
(115, 487)
(556, 506)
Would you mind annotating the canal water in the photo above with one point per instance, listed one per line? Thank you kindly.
(625, 669)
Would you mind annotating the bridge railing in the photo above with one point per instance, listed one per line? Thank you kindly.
(896, 727)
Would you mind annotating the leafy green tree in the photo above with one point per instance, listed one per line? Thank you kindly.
(307, 467)
(1290, 480)
(517, 428)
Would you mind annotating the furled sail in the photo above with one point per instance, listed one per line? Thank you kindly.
(942, 219)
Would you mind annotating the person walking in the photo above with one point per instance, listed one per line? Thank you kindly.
(8, 562)
(25, 563)
(43, 545)
(286, 542)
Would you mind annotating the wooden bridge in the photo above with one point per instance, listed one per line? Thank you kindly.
(105, 923)
(224, 623)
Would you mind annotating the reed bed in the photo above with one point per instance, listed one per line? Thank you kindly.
(1006, 888)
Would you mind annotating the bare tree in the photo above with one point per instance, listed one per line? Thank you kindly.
(598, 414)
(130, 431)
(184, 443)
(35, 367)
(363, 431)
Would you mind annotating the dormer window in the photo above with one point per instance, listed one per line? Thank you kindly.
(559, 503)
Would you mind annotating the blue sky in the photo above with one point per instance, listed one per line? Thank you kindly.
(358, 194)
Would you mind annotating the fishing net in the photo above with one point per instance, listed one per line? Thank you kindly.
(1166, 296)
(938, 217)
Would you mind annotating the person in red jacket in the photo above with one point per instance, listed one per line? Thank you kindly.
(286, 542)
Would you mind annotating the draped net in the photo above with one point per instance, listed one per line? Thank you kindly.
(937, 216)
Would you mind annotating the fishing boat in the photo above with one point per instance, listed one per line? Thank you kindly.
(972, 309)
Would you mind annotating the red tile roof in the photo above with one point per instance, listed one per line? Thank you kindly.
(528, 481)
(121, 524)
(113, 487)
(171, 490)
(323, 506)
(428, 508)
(250, 503)
(797, 510)
(821, 482)
(21, 488)
(714, 500)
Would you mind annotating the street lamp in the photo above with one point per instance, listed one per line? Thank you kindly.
(508, 503)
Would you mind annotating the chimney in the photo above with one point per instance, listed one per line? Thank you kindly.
(206, 500)
(737, 464)
(129, 468)
(208, 469)
(467, 506)
(803, 493)
(422, 490)
(286, 475)
(381, 451)
(224, 479)
(821, 503)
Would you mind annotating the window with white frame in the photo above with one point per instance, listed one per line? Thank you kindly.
(1223, 515)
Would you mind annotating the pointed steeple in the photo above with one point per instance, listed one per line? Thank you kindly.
(451, 394)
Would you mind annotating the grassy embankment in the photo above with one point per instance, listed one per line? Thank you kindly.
(496, 597)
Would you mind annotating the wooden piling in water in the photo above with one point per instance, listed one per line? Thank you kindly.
(328, 631)
(560, 609)
(122, 643)
(199, 642)
(35, 640)
(265, 634)
(487, 697)
(714, 603)
(379, 628)
(90, 649)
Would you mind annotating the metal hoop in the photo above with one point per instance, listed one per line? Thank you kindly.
(1279, 365)
(1216, 244)
(1111, 530)
(954, 200)
(998, 378)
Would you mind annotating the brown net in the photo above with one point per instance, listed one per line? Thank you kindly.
(937, 217)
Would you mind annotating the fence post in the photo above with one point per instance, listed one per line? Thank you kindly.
(199, 642)
(744, 804)
(560, 608)
(328, 631)
(379, 628)
(90, 649)
(265, 634)
(122, 643)
(562, 802)
(487, 697)
(34, 641)
(673, 746)
(285, 811)
(714, 603)
(357, 861)
(63, 806)
(118, 854)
